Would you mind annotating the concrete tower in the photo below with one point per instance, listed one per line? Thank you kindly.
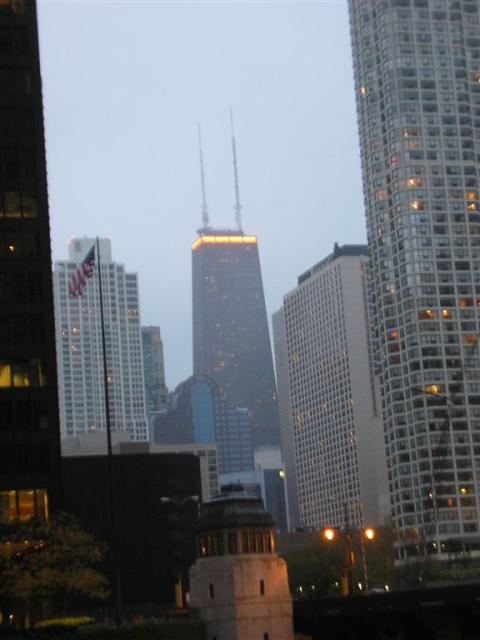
(238, 584)
(79, 347)
(417, 85)
(338, 441)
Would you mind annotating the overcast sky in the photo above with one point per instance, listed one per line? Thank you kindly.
(125, 84)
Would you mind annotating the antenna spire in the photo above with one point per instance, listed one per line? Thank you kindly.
(204, 208)
(238, 206)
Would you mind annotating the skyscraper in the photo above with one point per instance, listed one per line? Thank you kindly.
(417, 83)
(79, 347)
(287, 440)
(338, 441)
(156, 393)
(230, 331)
(198, 412)
(29, 431)
(231, 341)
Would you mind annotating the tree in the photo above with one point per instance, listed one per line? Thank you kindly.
(44, 564)
(315, 569)
(318, 567)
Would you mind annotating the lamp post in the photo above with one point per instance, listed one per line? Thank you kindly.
(178, 503)
(330, 533)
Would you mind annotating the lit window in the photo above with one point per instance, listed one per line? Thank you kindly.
(416, 205)
(23, 505)
(433, 389)
(29, 374)
(426, 314)
(414, 182)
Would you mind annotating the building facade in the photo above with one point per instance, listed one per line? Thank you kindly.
(417, 84)
(79, 347)
(198, 412)
(230, 332)
(338, 441)
(287, 440)
(156, 392)
(29, 428)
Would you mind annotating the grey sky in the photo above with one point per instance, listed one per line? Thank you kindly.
(125, 84)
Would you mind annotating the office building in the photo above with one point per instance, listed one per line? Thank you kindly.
(417, 84)
(287, 440)
(267, 481)
(198, 412)
(80, 353)
(156, 392)
(230, 332)
(339, 449)
(29, 430)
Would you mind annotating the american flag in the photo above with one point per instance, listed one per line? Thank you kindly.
(76, 285)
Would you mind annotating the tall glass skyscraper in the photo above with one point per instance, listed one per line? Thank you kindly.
(29, 431)
(417, 82)
(231, 342)
(198, 412)
(156, 392)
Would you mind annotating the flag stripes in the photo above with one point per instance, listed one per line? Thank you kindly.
(76, 284)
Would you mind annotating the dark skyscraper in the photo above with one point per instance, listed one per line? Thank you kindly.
(198, 412)
(230, 331)
(29, 433)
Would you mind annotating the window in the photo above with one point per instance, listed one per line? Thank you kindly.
(23, 505)
(232, 542)
(21, 374)
(262, 587)
(211, 591)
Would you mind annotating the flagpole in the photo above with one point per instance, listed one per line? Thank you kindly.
(115, 570)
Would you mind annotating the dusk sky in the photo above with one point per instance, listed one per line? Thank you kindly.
(124, 86)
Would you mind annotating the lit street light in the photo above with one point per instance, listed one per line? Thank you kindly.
(330, 533)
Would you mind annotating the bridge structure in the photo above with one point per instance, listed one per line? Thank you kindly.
(449, 612)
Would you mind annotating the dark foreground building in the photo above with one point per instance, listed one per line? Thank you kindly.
(154, 537)
(29, 432)
(230, 331)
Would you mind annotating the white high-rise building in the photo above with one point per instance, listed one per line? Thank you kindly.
(417, 85)
(338, 439)
(79, 347)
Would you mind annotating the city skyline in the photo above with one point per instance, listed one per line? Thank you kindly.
(129, 117)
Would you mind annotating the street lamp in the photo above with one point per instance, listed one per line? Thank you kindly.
(179, 503)
(330, 533)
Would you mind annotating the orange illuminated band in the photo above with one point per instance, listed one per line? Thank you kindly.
(223, 240)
